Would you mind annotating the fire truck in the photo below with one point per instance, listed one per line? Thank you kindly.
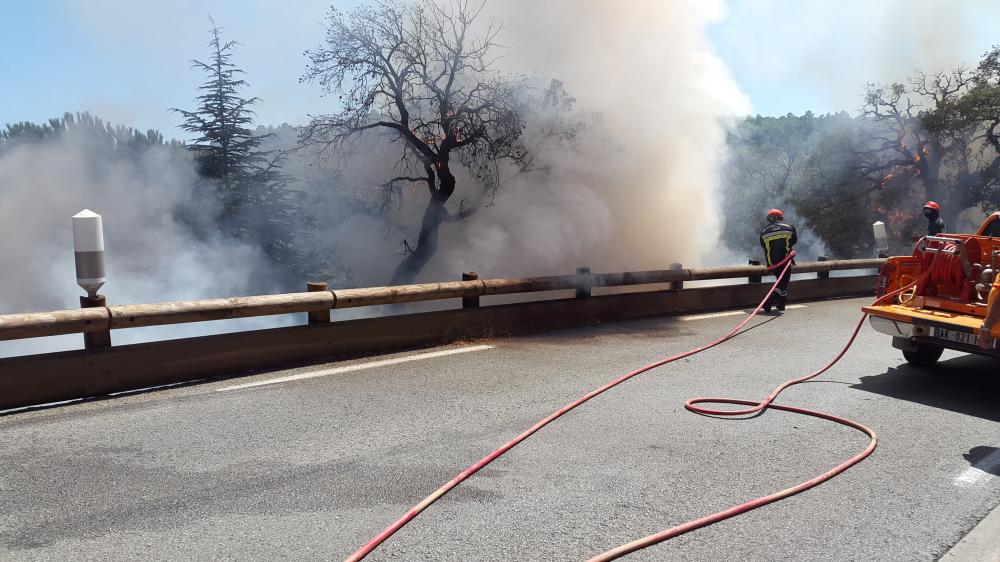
(945, 290)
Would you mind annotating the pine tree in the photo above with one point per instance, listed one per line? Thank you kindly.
(254, 201)
(226, 149)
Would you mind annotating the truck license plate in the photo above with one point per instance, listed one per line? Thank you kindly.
(955, 336)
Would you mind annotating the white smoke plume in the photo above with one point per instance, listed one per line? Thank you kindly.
(637, 192)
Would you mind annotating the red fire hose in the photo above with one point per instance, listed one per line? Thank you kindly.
(768, 402)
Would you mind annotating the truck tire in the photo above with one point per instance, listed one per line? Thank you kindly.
(924, 355)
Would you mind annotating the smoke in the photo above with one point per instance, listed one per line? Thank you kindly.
(150, 255)
(637, 190)
(351, 236)
(819, 55)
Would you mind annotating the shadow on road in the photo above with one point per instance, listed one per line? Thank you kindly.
(968, 385)
(984, 458)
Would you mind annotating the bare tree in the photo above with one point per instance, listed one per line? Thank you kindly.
(425, 73)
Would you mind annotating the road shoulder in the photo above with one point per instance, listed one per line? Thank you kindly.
(981, 544)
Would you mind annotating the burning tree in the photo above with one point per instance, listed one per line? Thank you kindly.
(914, 136)
(425, 73)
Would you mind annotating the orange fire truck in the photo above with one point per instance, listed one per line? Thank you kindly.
(946, 285)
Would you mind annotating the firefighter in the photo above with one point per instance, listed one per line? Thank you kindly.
(935, 224)
(777, 239)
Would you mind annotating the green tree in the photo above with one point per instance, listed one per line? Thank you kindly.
(225, 148)
(255, 203)
(765, 163)
(978, 110)
(112, 139)
(827, 194)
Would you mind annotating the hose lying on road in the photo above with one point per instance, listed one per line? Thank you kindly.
(768, 402)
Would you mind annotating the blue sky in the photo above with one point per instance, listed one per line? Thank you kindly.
(126, 60)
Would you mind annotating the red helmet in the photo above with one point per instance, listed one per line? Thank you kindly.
(775, 214)
(932, 205)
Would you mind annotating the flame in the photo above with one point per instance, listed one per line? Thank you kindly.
(926, 150)
(888, 177)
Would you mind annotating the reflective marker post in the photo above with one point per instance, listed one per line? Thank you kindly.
(88, 250)
(881, 239)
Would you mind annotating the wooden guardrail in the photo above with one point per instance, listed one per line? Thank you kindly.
(101, 319)
(101, 369)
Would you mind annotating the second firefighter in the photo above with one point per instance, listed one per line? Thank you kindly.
(777, 239)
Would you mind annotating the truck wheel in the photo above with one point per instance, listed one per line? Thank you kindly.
(924, 355)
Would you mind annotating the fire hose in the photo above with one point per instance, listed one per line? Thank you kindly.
(691, 405)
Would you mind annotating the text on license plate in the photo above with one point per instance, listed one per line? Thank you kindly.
(955, 336)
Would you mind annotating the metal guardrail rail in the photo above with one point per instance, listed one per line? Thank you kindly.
(105, 318)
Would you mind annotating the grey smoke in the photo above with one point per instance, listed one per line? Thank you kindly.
(150, 256)
(636, 191)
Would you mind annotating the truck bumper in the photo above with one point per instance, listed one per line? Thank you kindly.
(906, 336)
(892, 328)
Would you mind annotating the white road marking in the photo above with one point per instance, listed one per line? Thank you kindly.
(714, 315)
(361, 366)
(980, 473)
(40, 406)
(730, 313)
(148, 388)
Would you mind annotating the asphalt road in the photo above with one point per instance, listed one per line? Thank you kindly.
(312, 468)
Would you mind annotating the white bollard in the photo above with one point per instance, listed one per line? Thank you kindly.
(88, 246)
(881, 240)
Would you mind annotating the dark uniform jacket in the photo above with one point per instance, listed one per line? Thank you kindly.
(935, 225)
(777, 240)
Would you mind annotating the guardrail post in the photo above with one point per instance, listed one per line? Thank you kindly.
(470, 302)
(95, 340)
(318, 316)
(675, 285)
(754, 278)
(822, 274)
(583, 282)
